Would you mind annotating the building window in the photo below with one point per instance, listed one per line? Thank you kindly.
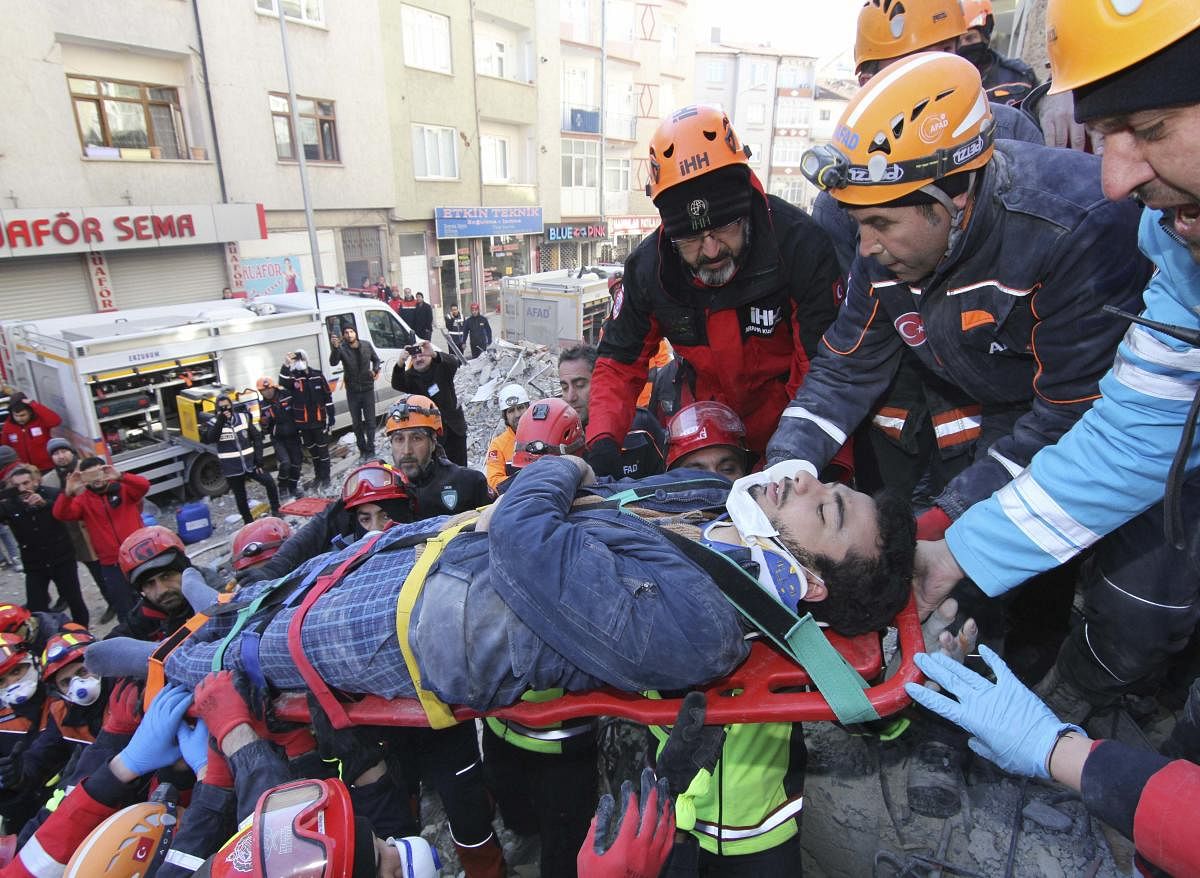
(790, 190)
(318, 128)
(580, 163)
(616, 175)
(619, 21)
(491, 57)
(426, 39)
(670, 42)
(823, 115)
(793, 113)
(129, 115)
(494, 153)
(716, 72)
(756, 114)
(435, 154)
(755, 152)
(787, 151)
(307, 11)
(760, 73)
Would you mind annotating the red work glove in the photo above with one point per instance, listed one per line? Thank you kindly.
(932, 524)
(124, 710)
(295, 742)
(643, 837)
(221, 705)
(217, 774)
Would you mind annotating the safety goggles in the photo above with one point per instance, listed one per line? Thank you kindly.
(369, 479)
(695, 421)
(720, 232)
(304, 830)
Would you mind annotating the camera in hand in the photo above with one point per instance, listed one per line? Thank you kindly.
(414, 349)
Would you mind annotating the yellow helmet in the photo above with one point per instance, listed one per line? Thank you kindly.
(924, 118)
(1093, 39)
(889, 29)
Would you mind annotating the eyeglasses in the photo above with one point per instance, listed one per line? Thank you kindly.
(720, 232)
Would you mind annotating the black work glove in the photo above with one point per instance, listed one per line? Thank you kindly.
(604, 456)
(355, 747)
(692, 746)
(11, 773)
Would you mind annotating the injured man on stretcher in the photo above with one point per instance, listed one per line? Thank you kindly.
(558, 587)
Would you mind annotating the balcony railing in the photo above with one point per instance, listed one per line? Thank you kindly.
(580, 118)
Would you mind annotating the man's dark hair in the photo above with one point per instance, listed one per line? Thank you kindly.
(23, 470)
(865, 594)
(582, 352)
(90, 462)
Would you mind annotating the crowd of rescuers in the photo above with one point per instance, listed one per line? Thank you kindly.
(1012, 410)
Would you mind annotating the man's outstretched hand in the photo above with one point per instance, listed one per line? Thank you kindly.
(935, 573)
(641, 833)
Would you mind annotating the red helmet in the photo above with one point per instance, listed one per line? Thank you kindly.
(12, 617)
(14, 649)
(62, 649)
(148, 549)
(703, 425)
(306, 828)
(258, 541)
(549, 426)
(373, 482)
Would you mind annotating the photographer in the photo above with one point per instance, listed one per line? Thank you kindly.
(428, 372)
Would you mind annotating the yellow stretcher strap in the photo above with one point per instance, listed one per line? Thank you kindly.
(439, 713)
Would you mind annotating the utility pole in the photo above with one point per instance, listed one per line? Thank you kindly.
(313, 246)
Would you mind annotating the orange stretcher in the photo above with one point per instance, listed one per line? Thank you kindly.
(760, 690)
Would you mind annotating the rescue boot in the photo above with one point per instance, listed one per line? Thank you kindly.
(484, 860)
(1184, 740)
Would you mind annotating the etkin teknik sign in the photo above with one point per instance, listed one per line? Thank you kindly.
(569, 232)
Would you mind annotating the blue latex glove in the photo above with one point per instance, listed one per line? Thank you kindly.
(1010, 725)
(193, 744)
(153, 745)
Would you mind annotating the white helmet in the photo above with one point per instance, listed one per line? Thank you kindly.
(512, 395)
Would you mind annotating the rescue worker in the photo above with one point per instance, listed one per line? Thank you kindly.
(439, 486)
(46, 550)
(258, 542)
(455, 334)
(999, 302)
(1103, 483)
(36, 629)
(275, 416)
(1006, 80)
(22, 699)
(424, 370)
(334, 527)
(740, 282)
(478, 331)
(240, 452)
(513, 400)
(306, 393)
(27, 430)
(109, 503)
(544, 777)
(709, 436)
(361, 365)
(748, 822)
(153, 560)
(66, 461)
(643, 448)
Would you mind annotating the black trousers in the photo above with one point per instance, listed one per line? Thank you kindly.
(551, 795)
(237, 484)
(1141, 603)
(689, 860)
(117, 591)
(362, 415)
(316, 442)
(289, 456)
(65, 576)
(456, 446)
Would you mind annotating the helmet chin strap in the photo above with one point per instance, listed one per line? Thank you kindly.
(958, 215)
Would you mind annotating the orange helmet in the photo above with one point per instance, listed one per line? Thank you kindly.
(148, 549)
(689, 143)
(978, 13)
(890, 29)
(62, 649)
(12, 617)
(132, 842)
(549, 426)
(14, 649)
(924, 118)
(258, 541)
(414, 411)
(266, 382)
(703, 425)
(1127, 32)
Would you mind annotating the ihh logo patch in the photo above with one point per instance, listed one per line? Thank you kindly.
(761, 321)
(911, 329)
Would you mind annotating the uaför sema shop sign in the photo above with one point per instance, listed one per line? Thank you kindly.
(50, 231)
(485, 222)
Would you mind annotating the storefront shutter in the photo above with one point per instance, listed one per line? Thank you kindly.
(166, 275)
(44, 286)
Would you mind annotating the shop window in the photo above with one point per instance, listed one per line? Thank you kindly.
(386, 330)
(435, 152)
(112, 114)
(307, 11)
(318, 128)
(426, 38)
